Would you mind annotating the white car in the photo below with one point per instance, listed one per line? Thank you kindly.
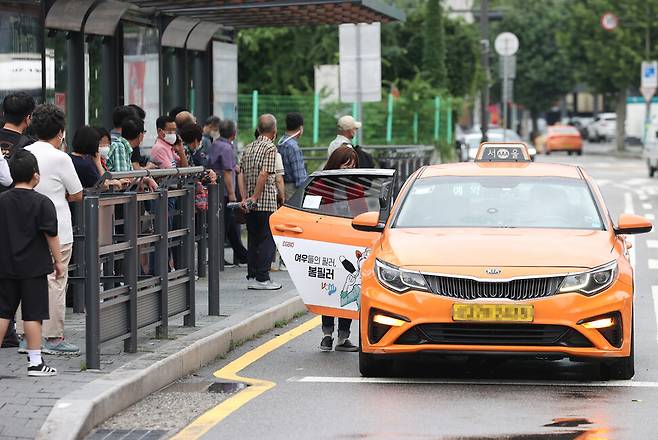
(604, 127)
(472, 142)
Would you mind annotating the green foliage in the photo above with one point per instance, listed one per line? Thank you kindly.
(543, 73)
(434, 49)
(609, 61)
(462, 53)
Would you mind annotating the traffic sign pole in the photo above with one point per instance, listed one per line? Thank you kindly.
(649, 83)
(506, 45)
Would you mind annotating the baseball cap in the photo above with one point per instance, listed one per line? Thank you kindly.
(347, 123)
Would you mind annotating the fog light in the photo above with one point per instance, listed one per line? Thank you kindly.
(600, 323)
(387, 320)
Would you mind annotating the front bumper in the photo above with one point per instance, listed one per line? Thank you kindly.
(562, 312)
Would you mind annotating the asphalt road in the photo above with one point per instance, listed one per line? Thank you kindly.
(322, 396)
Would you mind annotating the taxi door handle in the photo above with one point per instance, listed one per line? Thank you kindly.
(629, 245)
(289, 228)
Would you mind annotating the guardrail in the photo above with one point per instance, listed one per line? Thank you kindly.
(134, 260)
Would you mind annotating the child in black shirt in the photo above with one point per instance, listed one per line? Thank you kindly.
(30, 251)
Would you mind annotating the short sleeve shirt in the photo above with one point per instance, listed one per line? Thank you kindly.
(25, 216)
(87, 171)
(58, 178)
(259, 156)
(163, 155)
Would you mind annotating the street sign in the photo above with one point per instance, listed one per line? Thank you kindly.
(650, 74)
(507, 64)
(360, 62)
(609, 21)
(506, 44)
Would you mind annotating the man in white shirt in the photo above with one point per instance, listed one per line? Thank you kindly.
(5, 176)
(346, 127)
(60, 183)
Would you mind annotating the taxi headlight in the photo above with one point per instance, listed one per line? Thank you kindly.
(592, 282)
(399, 280)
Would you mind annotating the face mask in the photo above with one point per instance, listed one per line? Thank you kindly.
(170, 138)
(104, 152)
(214, 134)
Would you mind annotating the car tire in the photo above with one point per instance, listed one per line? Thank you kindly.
(621, 368)
(371, 365)
(652, 170)
(570, 152)
(547, 152)
(579, 152)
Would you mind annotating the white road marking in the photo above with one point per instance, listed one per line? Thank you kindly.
(652, 244)
(630, 209)
(647, 206)
(391, 380)
(654, 294)
(649, 216)
(653, 264)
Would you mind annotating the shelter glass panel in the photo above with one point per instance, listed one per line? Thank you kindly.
(20, 49)
(141, 70)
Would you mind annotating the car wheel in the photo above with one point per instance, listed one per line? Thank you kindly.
(652, 170)
(620, 368)
(547, 152)
(371, 365)
(579, 152)
(569, 152)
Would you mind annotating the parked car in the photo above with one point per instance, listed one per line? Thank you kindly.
(582, 123)
(472, 142)
(563, 138)
(603, 128)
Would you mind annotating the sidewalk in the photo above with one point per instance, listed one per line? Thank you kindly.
(26, 402)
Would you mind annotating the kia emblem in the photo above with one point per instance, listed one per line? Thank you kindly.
(493, 271)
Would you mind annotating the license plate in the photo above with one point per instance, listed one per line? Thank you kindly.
(493, 312)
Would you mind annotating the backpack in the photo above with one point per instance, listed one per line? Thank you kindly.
(365, 159)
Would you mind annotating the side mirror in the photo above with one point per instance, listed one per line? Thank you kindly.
(633, 224)
(368, 222)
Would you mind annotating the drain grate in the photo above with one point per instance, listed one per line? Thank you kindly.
(205, 387)
(127, 434)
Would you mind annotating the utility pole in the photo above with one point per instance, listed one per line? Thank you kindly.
(647, 54)
(484, 35)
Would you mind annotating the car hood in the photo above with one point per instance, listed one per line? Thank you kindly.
(549, 248)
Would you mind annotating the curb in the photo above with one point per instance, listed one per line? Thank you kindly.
(77, 413)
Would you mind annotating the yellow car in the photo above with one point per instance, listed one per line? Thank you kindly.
(502, 255)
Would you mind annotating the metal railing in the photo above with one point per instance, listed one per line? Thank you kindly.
(134, 262)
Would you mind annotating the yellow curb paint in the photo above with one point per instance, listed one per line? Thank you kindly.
(256, 387)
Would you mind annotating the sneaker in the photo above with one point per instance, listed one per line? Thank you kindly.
(346, 346)
(243, 263)
(41, 370)
(60, 347)
(327, 343)
(22, 346)
(227, 264)
(263, 285)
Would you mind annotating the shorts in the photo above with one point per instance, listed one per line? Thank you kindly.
(30, 293)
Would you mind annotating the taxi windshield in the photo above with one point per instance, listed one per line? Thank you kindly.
(499, 202)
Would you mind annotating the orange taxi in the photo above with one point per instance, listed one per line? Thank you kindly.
(563, 138)
(498, 256)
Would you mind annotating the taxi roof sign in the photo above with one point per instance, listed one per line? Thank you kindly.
(503, 152)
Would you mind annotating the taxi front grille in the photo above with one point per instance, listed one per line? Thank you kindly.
(494, 334)
(520, 289)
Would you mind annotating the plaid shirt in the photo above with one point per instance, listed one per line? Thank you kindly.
(260, 155)
(293, 161)
(119, 157)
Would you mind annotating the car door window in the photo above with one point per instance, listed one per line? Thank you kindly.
(343, 196)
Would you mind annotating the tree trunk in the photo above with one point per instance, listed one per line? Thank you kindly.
(534, 115)
(621, 119)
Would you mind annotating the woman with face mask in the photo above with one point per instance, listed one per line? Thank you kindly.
(104, 145)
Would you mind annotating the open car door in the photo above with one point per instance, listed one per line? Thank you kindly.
(316, 240)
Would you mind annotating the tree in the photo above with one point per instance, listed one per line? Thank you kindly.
(609, 61)
(434, 50)
(462, 57)
(543, 74)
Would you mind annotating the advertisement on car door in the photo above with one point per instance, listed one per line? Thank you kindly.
(326, 275)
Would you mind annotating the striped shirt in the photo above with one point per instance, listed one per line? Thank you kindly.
(260, 155)
(118, 159)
